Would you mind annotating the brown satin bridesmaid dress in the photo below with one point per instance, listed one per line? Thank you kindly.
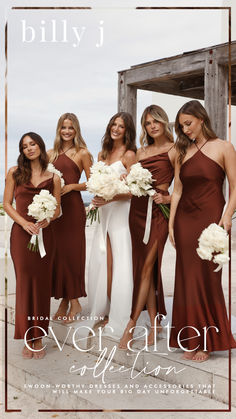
(33, 273)
(69, 230)
(198, 297)
(162, 172)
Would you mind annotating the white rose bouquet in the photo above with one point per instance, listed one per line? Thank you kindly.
(43, 207)
(51, 168)
(139, 181)
(214, 245)
(106, 183)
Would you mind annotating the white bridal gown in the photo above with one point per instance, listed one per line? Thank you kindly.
(114, 221)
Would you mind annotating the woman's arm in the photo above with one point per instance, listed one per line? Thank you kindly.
(28, 226)
(230, 169)
(176, 195)
(86, 161)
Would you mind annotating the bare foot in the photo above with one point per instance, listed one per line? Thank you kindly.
(201, 356)
(75, 309)
(151, 337)
(188, 355)
(38, 345)
(27, 353)
(62, 310)
(127, 336)
(40, 355)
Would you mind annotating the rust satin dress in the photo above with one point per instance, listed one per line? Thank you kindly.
(33, 273)
(69, 230)
(198, 296)
(162, 172)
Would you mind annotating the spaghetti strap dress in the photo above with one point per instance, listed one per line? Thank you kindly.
(69, 230)
(162, 172)
(33, 273)
(198, 295)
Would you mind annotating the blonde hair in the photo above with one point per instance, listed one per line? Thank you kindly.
(160, 116)
(78, 139)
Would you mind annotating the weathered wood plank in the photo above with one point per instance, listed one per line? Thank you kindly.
(127, 97)
(216, 94)
(167, 70)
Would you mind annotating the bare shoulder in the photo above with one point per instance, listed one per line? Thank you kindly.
(129, 158)
(141, 153)
(82, 154)
(228, 146)
(172, 152)
(12, 170)
(224, 147)
(130, 154)
(49, 152)
(100, 156)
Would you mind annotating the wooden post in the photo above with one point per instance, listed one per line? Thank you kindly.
(127, 97)
(216, 93)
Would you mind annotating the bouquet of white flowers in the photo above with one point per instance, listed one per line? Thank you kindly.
(106, 183)
(139, 181)
(43, 207)
(51, 168)
(214, 245)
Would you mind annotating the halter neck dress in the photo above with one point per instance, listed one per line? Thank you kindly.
(162, 172)
(33, 273)
(69, 230)
(198, 296)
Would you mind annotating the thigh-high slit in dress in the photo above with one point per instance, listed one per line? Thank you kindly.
(114, 222)
(162, 172)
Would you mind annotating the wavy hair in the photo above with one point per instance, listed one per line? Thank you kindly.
(194, 108)
(160, 116)
(129, 137)
(78, 139)
(23, 172)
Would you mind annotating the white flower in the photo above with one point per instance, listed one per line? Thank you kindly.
(221, 258)
(204, 253)
(105, 182)
(139, 181)
(43, 206)
(51, 168)
(214, 240)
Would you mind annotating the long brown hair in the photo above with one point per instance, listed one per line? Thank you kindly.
(160, 116)
(129, 137)
(194, 108)
(78, 140)
(23, 172)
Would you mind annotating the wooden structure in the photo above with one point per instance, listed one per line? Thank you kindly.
(201, 74)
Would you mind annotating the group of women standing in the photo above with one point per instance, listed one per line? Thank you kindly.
(124, 273)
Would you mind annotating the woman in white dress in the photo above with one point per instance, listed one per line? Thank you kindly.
(110, 279)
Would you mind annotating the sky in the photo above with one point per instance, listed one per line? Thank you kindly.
(46, 79)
